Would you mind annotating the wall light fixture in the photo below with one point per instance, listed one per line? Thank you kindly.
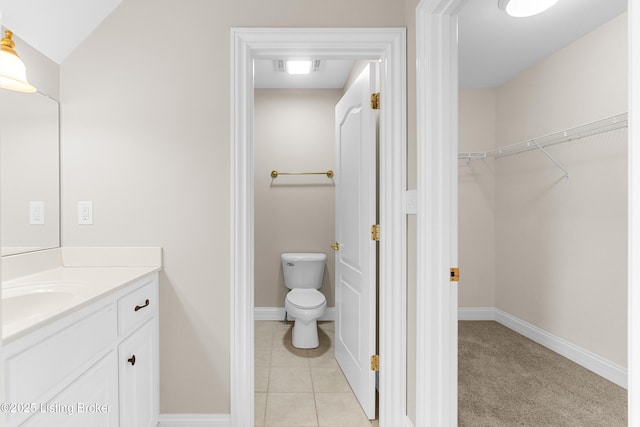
(525, 8)
(13, 74)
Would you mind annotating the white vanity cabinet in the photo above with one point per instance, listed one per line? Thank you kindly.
(91, 400)
(96, 366)
(138, 357)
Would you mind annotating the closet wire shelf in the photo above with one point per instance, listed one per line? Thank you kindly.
(594, 128)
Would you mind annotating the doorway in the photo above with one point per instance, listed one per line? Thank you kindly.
(437, 113)
(535, 199)
(304, 129)
(386, 45)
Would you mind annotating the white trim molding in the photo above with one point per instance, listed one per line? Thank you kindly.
(387, 45)
(437, 213)
(633, 326)
(194, 420)
(599, 365)
(585, 358)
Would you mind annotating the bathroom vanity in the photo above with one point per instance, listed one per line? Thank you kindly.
(80, 342)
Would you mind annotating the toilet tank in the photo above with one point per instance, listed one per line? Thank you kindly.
(303, 270)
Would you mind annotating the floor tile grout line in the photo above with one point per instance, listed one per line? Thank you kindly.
(266, 399)
(313, 390)
(308, 356)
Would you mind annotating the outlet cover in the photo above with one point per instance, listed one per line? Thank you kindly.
(85, 213)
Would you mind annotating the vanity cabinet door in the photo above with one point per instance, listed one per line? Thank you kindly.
(139, 385)
(91, 400)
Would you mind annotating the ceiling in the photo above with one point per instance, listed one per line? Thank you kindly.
(332, 74)
(493, 46)
(54, 27)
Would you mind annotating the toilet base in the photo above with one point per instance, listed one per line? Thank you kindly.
(305, 335)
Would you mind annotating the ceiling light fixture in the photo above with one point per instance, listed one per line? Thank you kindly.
(525, 8)
(13, 74)
(298, 66)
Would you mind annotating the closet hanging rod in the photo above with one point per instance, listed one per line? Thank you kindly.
(275, 174)
(600, 126)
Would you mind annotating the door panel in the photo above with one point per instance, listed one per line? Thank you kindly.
(356, 256)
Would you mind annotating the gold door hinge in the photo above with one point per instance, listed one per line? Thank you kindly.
(375, 362)
(375, 232)
(375, 101)
(454, 275)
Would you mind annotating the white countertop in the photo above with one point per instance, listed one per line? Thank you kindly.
(34, 300)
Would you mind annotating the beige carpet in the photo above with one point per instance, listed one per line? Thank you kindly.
(506, 379)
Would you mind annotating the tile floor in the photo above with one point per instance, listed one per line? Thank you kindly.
(301, 388)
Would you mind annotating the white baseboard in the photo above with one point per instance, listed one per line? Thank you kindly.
(591, 361)
(277, 313)
(194, 420)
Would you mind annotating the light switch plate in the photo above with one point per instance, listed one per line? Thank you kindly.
(85, 213)
(36, 213)
(412, 202)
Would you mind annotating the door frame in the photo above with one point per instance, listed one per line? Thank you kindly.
(633, 278)
(389, 46)
(437, 92)
(436, 219)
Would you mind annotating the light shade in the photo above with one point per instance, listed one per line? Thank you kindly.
(524, 8)
(299, 66)
(13, 75)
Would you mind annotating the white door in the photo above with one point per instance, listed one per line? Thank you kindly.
(356, 254)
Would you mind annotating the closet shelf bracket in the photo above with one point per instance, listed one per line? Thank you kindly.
(555, 162)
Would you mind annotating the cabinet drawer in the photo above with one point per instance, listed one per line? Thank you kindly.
(137, 306)
(34, 371)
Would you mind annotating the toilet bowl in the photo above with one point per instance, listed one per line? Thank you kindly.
(304, 304)
(305, 307)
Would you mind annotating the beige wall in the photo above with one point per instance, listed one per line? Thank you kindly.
(42, 72)
(476, 200)
(560, 244)
(294, 131)
(146, 136)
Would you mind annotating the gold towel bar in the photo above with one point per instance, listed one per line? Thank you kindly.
(275, 174)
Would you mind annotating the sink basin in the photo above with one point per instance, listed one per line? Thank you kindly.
(31, 302)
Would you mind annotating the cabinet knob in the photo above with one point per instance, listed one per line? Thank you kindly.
(132, 360)
(138, 307)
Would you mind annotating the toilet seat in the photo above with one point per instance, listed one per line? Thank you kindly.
(306, 299)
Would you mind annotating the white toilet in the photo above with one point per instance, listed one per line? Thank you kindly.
(304, 303)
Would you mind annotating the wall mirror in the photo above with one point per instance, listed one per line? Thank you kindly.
(29, 172)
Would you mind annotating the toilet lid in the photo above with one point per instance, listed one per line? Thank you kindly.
(306, 298)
